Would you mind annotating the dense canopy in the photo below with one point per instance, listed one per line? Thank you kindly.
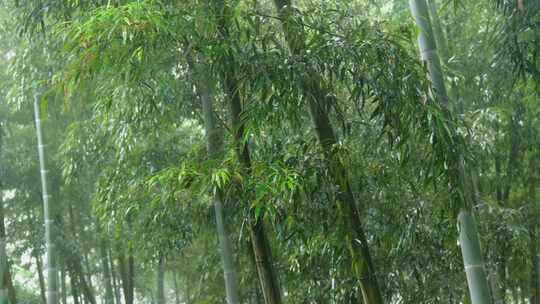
(269, 152)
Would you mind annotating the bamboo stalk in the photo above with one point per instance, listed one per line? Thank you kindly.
(468, 235)
(214, 145)
(52, 271)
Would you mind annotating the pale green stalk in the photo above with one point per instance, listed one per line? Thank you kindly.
(52, 271)
(468, 235)
(3, 259)
(214, 146)
(160, 278)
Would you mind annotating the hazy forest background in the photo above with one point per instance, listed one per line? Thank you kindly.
(269, 152)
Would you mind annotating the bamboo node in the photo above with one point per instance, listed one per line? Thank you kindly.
(474, 266)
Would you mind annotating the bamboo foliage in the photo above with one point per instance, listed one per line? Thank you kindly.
(260, 244)
(317, 99)
(307, 127)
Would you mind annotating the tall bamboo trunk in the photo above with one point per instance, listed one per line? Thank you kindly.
(440, 37)
(12, 294)
(63, 293)
(445, 52)
(535, 288)
(261, 247)
(52, 271)
(256, 293)
(109, 297)
(88, 295)
(472, 259)
(176, 288)
(126, 274)
(131, 276)
(498, 288)
(533, 233)
(187, 295)
(123, 274)
(74, 287)
(214, 147)
(75, 260)
(317, 100)
(6, 293)
(468, 235)
(495, 287)
(259, 241)
(88, 273)
(116, 289)
(41, 279)
(86, 288)
(428, 48)
(3, 260)
(160, 280)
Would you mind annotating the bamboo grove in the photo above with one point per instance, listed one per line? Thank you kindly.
(269, 152)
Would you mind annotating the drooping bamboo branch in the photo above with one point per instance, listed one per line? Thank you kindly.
(468, 235)
(52, 271)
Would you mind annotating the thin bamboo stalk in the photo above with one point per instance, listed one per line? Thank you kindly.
(214, 145)
(468, 235)
(52, 271)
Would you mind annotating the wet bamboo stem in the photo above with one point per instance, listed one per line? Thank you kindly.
(52, 272)
(3, 258)
(468, 235)
(160, 280)
(214, 146)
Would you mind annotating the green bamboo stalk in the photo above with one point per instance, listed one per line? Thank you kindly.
(41, 279)
(214, 146)
(52, 271)
(438, 32)
(260, 244)
(7, 290)
(116, 289)
(109, 298)
(3, 257)
(472, 259)
(428, 48)
(176, 288)
(468, 235)
(160, 280)
(63, 286)
(534, 297)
